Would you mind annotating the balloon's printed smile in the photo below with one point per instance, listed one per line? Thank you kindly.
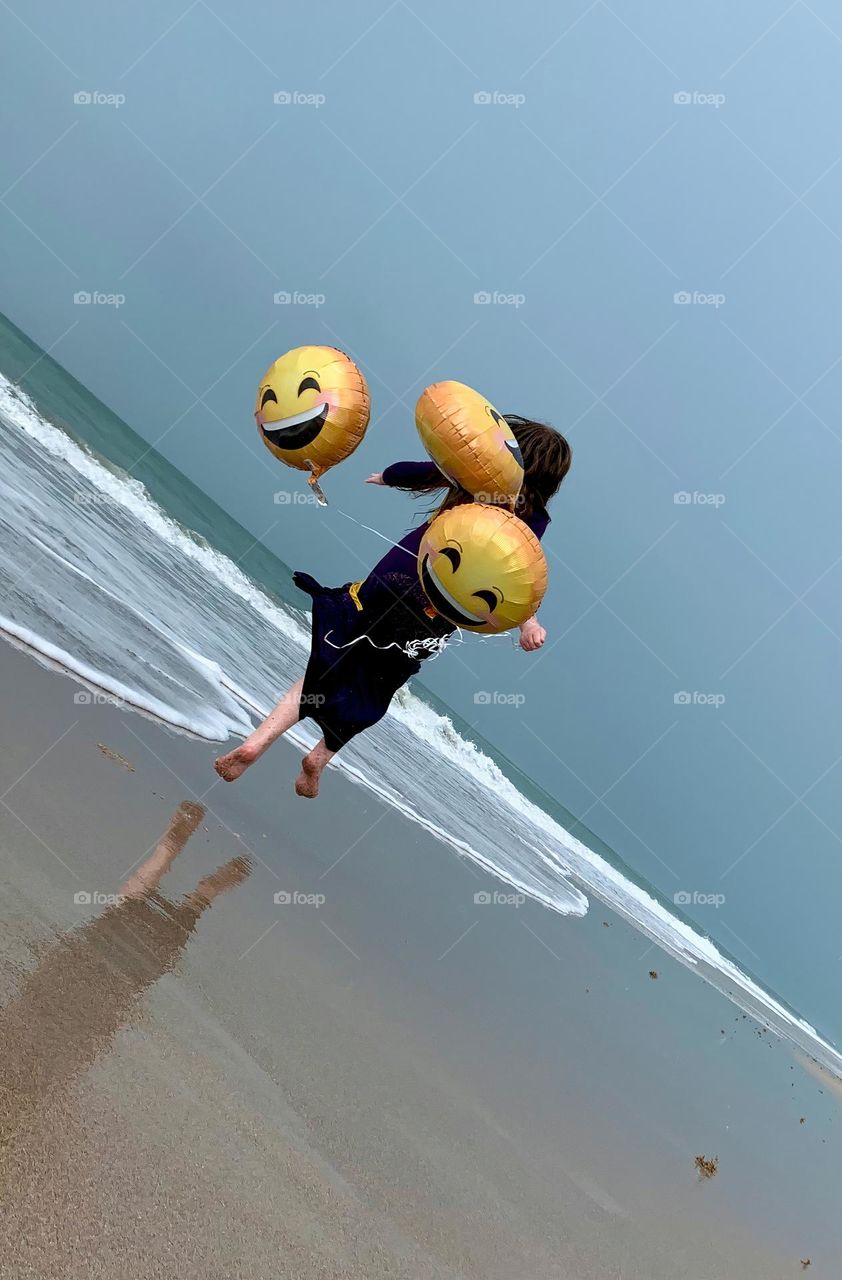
(299, 430)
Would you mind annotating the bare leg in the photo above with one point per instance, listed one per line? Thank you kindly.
(312, 766)
(219, 881)
(285, 715)
(148, 875)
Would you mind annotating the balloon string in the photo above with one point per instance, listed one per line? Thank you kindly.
(411, 554)
(368, 527)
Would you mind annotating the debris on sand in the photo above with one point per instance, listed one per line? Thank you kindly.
(706, 1167)
(115, 756)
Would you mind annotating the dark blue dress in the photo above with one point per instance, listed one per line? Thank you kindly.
(368, 638)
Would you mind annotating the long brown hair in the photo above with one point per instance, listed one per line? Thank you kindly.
(546, 461)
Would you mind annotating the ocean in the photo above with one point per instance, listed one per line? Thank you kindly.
(115, 567)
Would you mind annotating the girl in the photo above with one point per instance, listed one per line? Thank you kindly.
(369, 637)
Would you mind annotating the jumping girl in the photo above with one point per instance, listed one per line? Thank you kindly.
(369, 637)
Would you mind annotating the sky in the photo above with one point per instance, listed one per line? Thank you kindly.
(649, 196)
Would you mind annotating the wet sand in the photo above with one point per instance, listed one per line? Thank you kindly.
(375, 1076)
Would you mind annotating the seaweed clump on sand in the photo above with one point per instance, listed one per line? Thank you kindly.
(707, 1168)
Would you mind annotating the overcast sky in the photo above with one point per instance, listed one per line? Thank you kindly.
(627, 154)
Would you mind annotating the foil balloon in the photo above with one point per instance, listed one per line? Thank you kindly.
(312, 409)
(482, 568)
(470, 442)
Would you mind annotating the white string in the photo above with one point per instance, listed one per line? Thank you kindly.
(439, 643)
(436, 645)
(340, 512)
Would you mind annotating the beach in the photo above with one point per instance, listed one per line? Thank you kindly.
(379, 1074)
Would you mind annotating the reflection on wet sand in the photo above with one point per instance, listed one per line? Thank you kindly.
(90, 982)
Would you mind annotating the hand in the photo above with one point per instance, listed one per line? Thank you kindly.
(532, 635)
(375, 478)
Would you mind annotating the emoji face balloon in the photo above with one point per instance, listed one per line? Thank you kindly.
(312, 408)
(470, 442)
(482, 568)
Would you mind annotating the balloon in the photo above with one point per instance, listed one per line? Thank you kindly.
(470, 442)
(312, 408)
(482, 568)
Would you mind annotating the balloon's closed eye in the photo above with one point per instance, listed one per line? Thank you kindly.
(268, 397)
(308, 384)
(489, 598)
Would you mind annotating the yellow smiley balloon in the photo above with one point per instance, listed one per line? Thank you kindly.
(482, 568)
(470, 442)
(312, 408)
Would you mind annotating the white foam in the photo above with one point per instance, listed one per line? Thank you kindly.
(130, 493)
(212, 725)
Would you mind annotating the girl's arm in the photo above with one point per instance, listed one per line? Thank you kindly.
(406, 474)
(532, 634)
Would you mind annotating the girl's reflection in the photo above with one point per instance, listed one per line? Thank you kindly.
(89, 983)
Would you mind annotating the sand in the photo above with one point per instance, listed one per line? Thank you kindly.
(374, 1076)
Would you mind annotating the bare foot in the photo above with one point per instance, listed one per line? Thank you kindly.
(234, 765)
(307, 782)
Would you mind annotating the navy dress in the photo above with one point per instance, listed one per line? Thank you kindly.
(368, 638)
